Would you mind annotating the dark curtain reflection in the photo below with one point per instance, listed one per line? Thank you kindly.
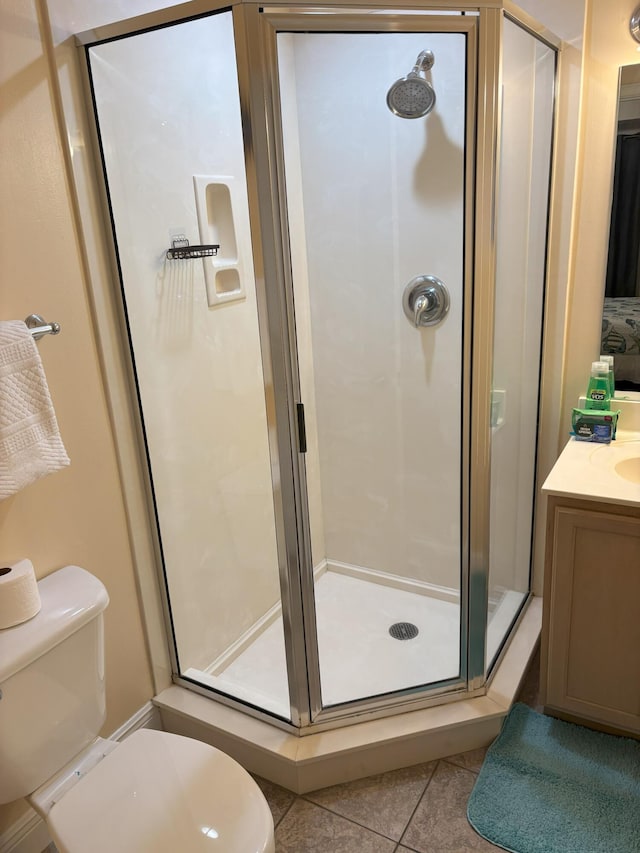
(623, 266)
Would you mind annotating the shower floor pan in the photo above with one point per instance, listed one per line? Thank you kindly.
(358, 656)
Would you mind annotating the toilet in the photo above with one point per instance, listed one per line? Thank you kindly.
(154, 791)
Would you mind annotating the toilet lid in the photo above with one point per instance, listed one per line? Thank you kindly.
(163, 793)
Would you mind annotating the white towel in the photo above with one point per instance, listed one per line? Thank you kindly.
(30, 443)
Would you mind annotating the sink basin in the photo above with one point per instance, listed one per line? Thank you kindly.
(621, 458)
(601, 472)
(629, 469)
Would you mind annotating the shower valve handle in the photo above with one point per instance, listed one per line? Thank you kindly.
(425, 301)
(421, 308)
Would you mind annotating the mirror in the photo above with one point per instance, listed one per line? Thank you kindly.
(621, 310)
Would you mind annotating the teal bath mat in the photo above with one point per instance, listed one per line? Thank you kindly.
(552, 787)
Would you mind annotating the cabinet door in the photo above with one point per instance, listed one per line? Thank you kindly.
(594, 630)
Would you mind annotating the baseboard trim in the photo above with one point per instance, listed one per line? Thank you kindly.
(250, 636)
(243, 642)
(29, 833)
(418, 587)
(147, 717)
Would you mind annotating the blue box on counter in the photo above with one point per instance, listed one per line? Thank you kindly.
(591, 425)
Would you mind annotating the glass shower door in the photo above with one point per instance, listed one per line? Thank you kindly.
(524, 169)
(168, 113)
(376, 201)
(324, 506)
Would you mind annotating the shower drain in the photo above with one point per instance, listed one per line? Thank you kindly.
(403, 631)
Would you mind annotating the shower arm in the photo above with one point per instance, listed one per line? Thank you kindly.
(423, 63)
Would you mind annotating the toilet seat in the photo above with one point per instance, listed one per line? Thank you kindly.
(163, 793)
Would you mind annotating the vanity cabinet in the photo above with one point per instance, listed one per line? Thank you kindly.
(590, 662)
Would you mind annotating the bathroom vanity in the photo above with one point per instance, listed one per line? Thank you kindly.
(590, 661)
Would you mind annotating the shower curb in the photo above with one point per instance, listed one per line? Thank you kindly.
(329, 757)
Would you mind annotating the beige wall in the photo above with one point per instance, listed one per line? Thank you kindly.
(608, 45)
(596, 42)
(76, 515)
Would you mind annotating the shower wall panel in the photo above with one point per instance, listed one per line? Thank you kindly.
(378, 201)
(198, 368)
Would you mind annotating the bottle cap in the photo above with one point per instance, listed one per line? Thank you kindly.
(608, 359)
(599, 367)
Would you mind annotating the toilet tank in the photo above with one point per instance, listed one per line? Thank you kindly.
(52, 681)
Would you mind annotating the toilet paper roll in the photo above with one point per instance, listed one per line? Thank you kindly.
(19, 596)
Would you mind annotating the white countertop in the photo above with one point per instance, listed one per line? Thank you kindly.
(587, 470)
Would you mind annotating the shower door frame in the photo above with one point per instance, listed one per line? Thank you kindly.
(260, 27)
(255, 31)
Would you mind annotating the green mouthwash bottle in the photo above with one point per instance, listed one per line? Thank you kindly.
(612, 381)
(598, 391)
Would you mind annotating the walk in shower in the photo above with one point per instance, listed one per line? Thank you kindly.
(329, 230)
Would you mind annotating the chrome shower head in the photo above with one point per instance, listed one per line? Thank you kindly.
(413, 96)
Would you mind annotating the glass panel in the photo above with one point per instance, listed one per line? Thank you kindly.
(174, 157)
(374, 201)
(523, 197)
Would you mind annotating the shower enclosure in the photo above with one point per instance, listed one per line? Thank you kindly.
(329, 228)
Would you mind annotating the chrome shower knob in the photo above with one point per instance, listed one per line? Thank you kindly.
(425, 301)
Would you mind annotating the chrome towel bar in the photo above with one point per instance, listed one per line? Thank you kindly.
(39, 327)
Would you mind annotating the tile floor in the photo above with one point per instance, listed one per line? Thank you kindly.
(420, 808)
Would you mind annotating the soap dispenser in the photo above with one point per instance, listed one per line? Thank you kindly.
(612, 381)
(598, 395)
